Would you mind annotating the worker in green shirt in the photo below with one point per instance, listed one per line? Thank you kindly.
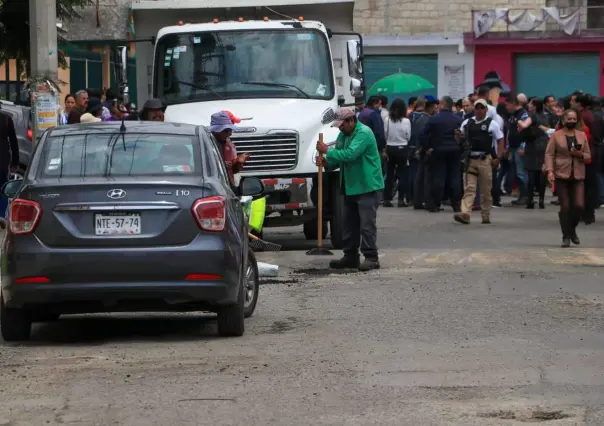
(361, 181)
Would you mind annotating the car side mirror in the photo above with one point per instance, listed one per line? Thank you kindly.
(251, 186)
(10, 189)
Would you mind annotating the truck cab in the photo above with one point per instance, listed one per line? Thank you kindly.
(278, 79)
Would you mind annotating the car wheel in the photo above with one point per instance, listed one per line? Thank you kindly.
(231, 318)
(15, 324)
(252, 285)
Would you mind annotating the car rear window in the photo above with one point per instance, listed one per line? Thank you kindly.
(114, 154)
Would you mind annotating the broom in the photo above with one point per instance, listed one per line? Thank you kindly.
(261, 245)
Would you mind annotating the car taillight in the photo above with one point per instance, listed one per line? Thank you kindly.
(210, 213)
(30, 134)
(24, 216)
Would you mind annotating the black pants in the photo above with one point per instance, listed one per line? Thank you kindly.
(536, 181)
(397, 170)
(592, 196)
(422, 185)
(360, 224)
(446, 167)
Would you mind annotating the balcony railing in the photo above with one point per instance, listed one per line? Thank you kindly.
(538, 22)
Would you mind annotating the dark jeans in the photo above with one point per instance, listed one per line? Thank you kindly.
(536, 181)
(446, 167)
(422, 185)
(359, 226)
(505, 175)
(397, 169)
(412, 173)
(591, 191)
(3, 199)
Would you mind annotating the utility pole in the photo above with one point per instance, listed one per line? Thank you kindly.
(43, 55)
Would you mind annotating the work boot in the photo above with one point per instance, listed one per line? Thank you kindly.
(346, 262)
(486, 220)
(564, 217)
(462, 218)
(369, 265)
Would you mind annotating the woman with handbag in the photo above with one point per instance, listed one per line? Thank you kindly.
(397, 129)
(565, 157)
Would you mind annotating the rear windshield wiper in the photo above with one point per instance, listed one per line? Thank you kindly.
(201, 87)
(270, 84)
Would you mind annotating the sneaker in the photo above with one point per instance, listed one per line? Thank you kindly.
(388, 204)
(369, 265)
(345, 263)
(497, 204)
(462, 218)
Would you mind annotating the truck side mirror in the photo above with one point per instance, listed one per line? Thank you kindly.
(356, 88)
(355, 64)
(120, 63)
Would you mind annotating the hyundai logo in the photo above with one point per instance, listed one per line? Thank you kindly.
(116, 194)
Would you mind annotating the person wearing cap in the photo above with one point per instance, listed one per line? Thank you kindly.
(94, 112)
(443, 155)
(153, 110)
(481, 136)
(221, 126)
(356, 154)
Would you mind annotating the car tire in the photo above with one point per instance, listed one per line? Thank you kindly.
(311, 232)
(231, 318)
(337, 215)
(15, 323)
(252, 285)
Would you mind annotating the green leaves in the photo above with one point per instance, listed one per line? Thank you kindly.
(14, 26)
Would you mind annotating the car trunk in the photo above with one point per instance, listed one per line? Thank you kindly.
(109, 212)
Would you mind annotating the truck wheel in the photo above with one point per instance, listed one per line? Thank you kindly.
(311, 231)
(337, 216)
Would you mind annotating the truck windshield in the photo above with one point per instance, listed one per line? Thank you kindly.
(207, 66)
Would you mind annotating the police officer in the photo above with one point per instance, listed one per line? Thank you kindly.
(480, 135)
(444, 155)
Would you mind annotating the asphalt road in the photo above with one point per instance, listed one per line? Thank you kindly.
(463, 325)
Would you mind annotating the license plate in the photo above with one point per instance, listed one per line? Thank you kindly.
(118, 224)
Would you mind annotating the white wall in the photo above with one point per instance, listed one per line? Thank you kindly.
(337, 17)
(448, 55)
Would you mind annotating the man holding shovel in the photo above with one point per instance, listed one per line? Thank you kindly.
(361, 182)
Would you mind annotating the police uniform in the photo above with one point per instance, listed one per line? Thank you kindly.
(481, 138)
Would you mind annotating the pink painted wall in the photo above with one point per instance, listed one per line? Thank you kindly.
(500, 58)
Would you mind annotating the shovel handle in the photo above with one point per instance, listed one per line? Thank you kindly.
(320, 200)
(252, 236)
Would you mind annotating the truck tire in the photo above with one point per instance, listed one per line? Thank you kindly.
(311, 231)
(337, 215)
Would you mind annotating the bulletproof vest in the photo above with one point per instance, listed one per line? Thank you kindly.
(479, 137)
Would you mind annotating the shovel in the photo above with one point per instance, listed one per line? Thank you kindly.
(319, 250)
(258, 244)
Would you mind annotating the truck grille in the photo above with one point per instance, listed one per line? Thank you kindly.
(276, 151)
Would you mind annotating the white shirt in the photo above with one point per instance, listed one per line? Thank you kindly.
(494, 130)
(397, 133)
(384, 113)
(492, 113)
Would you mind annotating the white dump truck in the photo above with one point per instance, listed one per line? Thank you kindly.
(279, 79)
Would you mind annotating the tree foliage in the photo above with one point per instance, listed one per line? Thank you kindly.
(14, 26)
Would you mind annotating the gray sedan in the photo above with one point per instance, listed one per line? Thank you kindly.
(134, 218)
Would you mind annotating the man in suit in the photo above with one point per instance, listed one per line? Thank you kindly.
(9, 156)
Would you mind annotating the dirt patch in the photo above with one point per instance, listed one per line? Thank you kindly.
(532, 416)
(315, 272)
(273, 281)
(279, 327)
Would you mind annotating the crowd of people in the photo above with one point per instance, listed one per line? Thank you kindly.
(469, 153)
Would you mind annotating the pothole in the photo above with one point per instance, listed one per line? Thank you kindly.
(316, 272)
(533, 416)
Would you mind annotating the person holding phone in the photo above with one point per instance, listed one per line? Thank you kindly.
(221, 126)
(566, 154)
